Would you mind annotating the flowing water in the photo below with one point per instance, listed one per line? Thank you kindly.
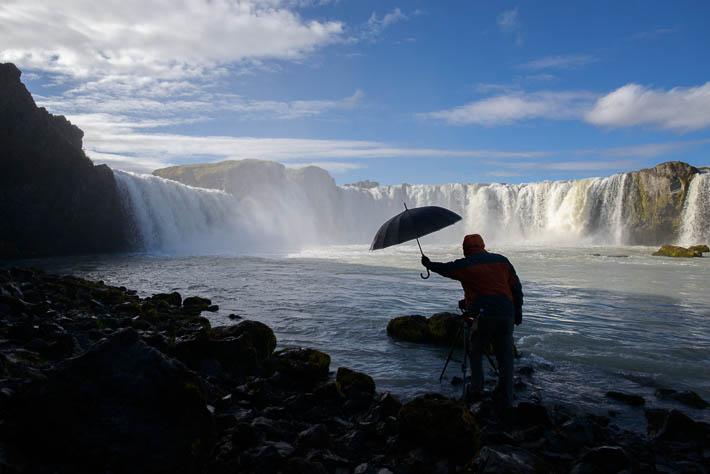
(599, 315)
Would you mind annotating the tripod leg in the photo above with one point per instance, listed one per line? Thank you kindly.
(448, 358)
(465, 358)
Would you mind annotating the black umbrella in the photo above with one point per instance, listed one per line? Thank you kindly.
(412, 224)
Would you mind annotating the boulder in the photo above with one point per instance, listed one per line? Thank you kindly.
(235, 349)
(675, 251)
(120, 407)
(628, 398)
(409, 328)
(444, 327)
(686, 397)
(354, 384)
(673, 425)
(440, 424)
(508, 459)
(699, 248)
(303, 366)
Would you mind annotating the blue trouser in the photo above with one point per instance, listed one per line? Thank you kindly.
(496, 329)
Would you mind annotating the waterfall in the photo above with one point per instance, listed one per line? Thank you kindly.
(275, 212)
(695, 227)
(171, 217)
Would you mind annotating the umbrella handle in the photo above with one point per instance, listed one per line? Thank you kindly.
(428, 274)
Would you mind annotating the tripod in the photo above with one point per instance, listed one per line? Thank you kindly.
(469, 326)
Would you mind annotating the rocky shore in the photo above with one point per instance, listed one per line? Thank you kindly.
(94, 378)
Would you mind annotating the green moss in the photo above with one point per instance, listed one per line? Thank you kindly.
(675, 251)
(409, 328)
(348, 380)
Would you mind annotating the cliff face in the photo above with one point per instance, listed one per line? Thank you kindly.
(655, 199)
(53, 200)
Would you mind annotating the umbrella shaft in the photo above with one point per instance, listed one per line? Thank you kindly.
(420, 247)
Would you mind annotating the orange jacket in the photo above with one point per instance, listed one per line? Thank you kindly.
(484, 276)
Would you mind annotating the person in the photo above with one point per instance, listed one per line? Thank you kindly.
(492, 290)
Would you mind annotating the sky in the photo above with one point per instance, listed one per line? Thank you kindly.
(415, 91)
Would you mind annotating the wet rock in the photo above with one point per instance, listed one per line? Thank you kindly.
(260, 335)
(673, 425)
(194, 305)
(355, 384)
(604, 459)
(444, 327)
(303, 366)
(675, 251)
(316, 436)
(627, 398)
(699, 248)
(687, 397)
(531, 414)
(440, 424)
(508, 459)
(409, 328)
(173, 299)
(122, 396)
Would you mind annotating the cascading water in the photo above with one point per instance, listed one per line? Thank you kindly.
(171, 217)
(695, 227)
(301, 208)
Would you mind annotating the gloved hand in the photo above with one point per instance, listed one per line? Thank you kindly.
(425, 261)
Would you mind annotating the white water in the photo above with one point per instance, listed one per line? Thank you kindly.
(298, 209)
(695, 226)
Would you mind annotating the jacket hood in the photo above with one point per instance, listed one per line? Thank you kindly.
(473, 243)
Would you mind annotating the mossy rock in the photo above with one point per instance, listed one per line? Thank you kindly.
(441, 425)
(675, 251)
(350, 381)
(173, 299)
(443, 328)
(409, 328)
(259, 334)
(699, 248)
(304, 365)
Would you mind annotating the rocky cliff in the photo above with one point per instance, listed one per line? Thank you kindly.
(655, 199)
(53, 200)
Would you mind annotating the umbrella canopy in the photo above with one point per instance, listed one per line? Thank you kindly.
(412, 224)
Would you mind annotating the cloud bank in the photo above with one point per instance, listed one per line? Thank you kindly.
(85, 38)
(681, 109)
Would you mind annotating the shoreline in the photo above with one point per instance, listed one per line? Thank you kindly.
(80, 363)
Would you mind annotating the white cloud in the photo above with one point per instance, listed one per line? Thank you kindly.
(374, 26)
(509, 20)
(517, 106)
(154, 38)
(681, 109)
(564, 61)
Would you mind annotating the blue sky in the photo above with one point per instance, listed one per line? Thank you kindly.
(416, 91)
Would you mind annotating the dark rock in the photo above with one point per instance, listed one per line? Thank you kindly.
(173, 299)
(530, 414)
(409, 328)
(303, 366)
(120, 397)
(508, 459)
(687, 397)
(440, 424)
(195, 305)
(526, 370)
(260, 335)
(355, 384)
(316, 436)
(44, 173)
(444, 327)
(627, 398)
(610, 458)
(673, 425)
